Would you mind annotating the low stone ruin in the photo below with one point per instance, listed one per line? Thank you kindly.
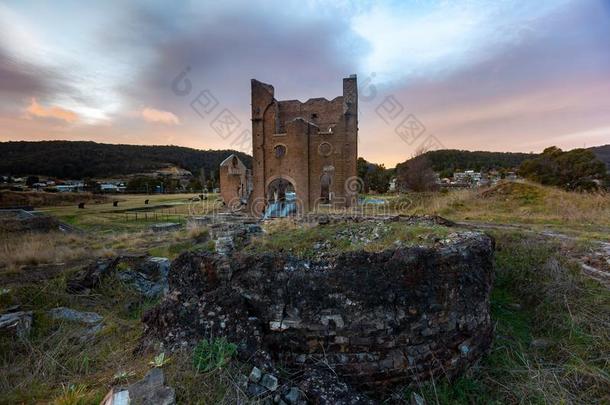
(19, 221)
(376, 320)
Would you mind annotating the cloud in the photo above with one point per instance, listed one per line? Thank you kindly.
(37, 110)
(414, 40)
(164, 117)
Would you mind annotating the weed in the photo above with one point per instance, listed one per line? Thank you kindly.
(538, 294)
(159, 360)
(212, 355)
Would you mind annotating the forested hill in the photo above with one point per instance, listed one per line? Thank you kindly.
(79, 159)
(449, 160)
(602, 153)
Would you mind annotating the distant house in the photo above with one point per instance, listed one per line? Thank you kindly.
(70, 186)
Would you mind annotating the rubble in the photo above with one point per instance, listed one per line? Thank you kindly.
(151, 390)
(165, 227)
(18, 324)
(91, 321)
(72, 315)
(147, 275)
(376, 319)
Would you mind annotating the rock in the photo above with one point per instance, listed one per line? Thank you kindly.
(540, 344)
(72, 315)
(417, 399)
(18, 324)
(292, 397)
(255, 390)
(91, 276)
(165, 227)
(270, 382)
(148, 276)
(224, 245)
(151, 390)
(254, 229)
(116, 396)
(92, 320)
(322, 386)
(255, 375)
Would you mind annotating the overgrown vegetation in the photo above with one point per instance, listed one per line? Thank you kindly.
(516, 203)
(309, 241)
(578, 169)
(212, 354)
(56, 364)
(552, 338)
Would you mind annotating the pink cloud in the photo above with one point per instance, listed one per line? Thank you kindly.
(164, 117)
(37, 110)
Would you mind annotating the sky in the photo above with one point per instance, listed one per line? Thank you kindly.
(478, 75)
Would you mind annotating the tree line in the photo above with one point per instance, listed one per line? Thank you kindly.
(83, 159)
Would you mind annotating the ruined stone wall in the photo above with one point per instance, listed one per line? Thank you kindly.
(233, 176)
(320, 136)
(377, 319)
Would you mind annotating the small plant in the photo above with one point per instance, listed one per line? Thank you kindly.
(212, 355)
(72, 395)
(122, 376)
(159, 360)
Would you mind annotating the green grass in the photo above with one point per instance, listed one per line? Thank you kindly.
(55, 364)
(104, 217)
(538, 294)
(336, 238)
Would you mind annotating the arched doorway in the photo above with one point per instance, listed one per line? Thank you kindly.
(281, 198)
(280, 190)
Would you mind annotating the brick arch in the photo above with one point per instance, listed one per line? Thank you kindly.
(278, 176)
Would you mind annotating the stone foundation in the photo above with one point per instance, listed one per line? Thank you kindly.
(378, 320)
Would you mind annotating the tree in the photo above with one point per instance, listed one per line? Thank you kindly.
(575, 170)
(31, 180)
(379, 179)
(416, 174)
(374, 177)
(92, 186)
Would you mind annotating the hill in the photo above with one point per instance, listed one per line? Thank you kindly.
(81, 159)
(603, 154)
(449, 160)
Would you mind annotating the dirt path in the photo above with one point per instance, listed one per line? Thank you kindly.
(595, 264)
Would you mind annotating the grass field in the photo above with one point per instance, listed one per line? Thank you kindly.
(552, 323)
(132, 213)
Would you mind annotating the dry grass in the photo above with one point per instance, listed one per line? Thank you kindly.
(44, 199)
(17, 250)
(55, 364)
(539, 295)
(514, 202)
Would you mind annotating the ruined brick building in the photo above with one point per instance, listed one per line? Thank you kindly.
(307, 148)
(304, 153)
(235, 182)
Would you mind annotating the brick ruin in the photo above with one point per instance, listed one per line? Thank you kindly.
(235, 182)
(378, 320)
(306, 148)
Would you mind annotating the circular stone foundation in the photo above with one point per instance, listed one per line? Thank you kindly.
(378, 319)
